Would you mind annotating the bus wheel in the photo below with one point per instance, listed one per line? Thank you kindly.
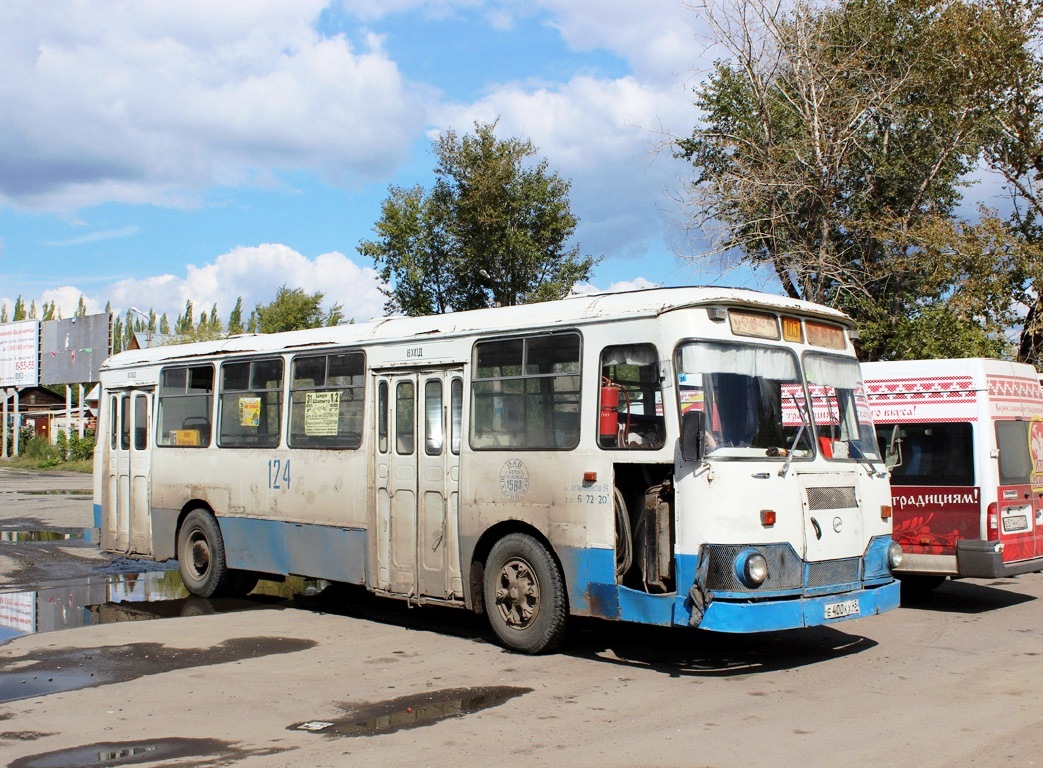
(201, 554)
(525, 595)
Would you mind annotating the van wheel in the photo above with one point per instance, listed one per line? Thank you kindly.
(201, 555)
(525, 595)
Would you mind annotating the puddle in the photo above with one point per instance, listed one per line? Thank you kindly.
(118, 753)
(107, 599)
(55, 670)
(411, 711)
(21, 537)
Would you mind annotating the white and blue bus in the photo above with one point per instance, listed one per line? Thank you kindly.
(701, 457)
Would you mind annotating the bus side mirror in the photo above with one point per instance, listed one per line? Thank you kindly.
(693, 425)
(893, 454)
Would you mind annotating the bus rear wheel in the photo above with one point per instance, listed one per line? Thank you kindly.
(201, 555)
(525, 595)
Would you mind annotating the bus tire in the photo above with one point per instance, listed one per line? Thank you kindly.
(201, 555)
(525, 595)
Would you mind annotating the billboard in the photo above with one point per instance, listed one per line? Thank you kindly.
(19, 354)
(72, 350)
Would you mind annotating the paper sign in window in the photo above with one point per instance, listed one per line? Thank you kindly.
(249, 411)
(321, 412)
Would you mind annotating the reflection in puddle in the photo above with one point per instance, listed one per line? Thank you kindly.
(107, 599)
(133, 752)
(411, 711)
(20, 537)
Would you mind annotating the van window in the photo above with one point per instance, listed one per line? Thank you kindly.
(932, 454)
(1012, 438)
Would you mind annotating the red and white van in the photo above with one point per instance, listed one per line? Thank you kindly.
(964, 440)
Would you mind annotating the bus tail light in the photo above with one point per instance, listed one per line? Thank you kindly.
(993, 534)
(768, 517)
(885, 511)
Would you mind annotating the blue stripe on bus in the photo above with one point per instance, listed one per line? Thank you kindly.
(277, 547)
(93, 535)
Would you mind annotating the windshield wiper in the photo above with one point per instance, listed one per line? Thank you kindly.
(805, 423)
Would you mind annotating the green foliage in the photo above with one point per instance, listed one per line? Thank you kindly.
(235, 320)
(40, 450)
(833, 149)
(294, 309)
(492, 231)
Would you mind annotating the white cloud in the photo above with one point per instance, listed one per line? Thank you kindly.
(637, 284)
(153, 102)
(659, 39)
(603, 135)
(255, 273)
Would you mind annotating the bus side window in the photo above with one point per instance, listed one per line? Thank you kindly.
(184, 404)
(251, 404)
(525, 393)
(382, 417)
(405, 419)
(630, 407)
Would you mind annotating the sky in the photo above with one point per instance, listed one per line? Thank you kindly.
(153, 153)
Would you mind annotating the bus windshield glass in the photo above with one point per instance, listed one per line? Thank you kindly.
(752, 398)
(843, 421)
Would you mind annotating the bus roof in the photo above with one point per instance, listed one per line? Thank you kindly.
(564, 313)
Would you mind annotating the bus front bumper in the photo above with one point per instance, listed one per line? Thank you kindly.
(722, 615)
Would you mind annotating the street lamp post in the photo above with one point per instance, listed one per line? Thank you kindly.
(148, 325)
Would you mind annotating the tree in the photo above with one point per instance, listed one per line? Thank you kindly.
(1016, 153)
(294, 309)
(19, 310)
(235, 320)
(492, 230)
(833, 147)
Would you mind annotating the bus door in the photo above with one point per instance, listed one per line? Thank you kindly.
(419, 421)
(126, 524)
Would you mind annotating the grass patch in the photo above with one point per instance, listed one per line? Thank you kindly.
(28, 462)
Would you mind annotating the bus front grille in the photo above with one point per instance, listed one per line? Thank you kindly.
(827, 572)
(831, 498)
(785, 570)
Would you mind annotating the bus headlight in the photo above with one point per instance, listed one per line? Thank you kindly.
(751, 568)
(894, 555)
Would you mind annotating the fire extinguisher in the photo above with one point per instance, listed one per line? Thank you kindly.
(608, 424)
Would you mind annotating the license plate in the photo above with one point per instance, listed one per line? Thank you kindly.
(840, 610)
(1016, 523)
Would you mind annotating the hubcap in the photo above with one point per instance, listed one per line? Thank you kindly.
(200, 555)
(518, 594)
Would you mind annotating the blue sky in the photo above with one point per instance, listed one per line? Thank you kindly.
(175, 150)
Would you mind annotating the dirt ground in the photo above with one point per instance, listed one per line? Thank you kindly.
(351, 680)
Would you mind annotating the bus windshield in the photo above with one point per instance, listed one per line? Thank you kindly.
(843, 421)
(753, 398)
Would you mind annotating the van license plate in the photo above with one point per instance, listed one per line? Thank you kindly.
(840, 610)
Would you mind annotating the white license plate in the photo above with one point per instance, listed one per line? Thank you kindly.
(840, 610)
(1016, 523)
